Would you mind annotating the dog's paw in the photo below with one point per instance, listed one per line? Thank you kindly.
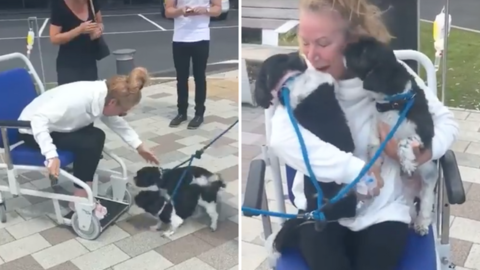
(421, 225)
(168, 233)
(213, 227)
(421, 229)
(407, 157)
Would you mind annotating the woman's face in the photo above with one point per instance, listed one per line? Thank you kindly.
(322, 40)
(114, 108)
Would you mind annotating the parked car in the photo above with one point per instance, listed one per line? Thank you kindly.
(223, 16)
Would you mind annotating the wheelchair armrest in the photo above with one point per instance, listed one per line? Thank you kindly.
(255, 186)
(453, 180)
(14, 124)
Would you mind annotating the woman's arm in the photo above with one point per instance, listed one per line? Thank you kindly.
(98, 12)
(446, 127)
(59, 38)
(327, 161)
(122, 129)
(171, 10)
(215, 8)
(56, 21)
(49, 114)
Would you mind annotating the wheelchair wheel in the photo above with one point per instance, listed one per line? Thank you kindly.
(127, 198)
(3, 213)
(92, 233)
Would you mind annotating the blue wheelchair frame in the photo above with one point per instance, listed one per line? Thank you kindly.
(19, 90)
(430, 252)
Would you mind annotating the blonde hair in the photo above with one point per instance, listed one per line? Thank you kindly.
(127, 89)
(362, 17)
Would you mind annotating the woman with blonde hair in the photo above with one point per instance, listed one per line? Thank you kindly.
(62, 119)
(376, 238)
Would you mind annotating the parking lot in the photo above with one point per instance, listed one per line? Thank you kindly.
(146, 32)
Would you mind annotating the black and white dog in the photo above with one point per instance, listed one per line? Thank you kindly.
(199, 187)
(315, 107)
(382, 74)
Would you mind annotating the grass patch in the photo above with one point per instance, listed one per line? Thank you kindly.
(463, 63)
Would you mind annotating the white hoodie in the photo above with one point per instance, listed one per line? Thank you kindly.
(68, 108)
(333, 165)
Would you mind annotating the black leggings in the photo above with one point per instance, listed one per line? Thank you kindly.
(182, 53)
(74, 74)
(379, 247)
(86, 144)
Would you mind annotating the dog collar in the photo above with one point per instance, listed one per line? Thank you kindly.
(395, 102)
(403, 96)
(286, 79)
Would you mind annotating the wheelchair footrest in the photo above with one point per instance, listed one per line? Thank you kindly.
(114, 211)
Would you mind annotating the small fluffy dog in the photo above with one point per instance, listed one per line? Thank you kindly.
(376, 64)
(167, 180)
(199, 187)
(315, 107)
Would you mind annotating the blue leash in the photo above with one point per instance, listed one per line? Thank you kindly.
(318, 214)
(198, 154)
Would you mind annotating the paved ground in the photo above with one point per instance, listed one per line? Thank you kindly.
(465, 219)
(122, 30)
(31, 240)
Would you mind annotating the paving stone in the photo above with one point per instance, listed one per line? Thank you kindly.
(24, 263)
(228, 259)
(225, 232)
(141, 243)
(183, 249)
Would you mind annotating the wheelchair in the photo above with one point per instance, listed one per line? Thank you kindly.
(429, 252)
(18, 90)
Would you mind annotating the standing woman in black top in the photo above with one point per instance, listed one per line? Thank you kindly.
(74, 27)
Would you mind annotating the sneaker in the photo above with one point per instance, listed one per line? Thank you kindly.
(180, 118)
(195, 122)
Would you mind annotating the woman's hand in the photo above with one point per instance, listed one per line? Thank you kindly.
(96, 33)
(200, 10)
(188, 11)
(147, 155)
(53, 167)
(376, 172)
(392, 146)
(87, 27)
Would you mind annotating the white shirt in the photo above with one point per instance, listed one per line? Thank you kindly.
(192, 28)
(68, 108)
(330, 164)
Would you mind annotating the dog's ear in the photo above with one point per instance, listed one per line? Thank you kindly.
(262, 94)
(299, 62)
(384, 80)
(376, 81)
(271, 72)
